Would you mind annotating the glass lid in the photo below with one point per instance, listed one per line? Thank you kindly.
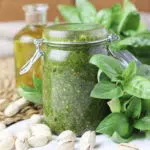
(75, 33)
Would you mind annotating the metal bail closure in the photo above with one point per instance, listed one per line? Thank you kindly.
(112, 38)
(34, 58)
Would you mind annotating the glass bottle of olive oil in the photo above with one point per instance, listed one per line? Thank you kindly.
(35, 17)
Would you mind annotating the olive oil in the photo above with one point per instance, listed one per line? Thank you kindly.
(35, 16)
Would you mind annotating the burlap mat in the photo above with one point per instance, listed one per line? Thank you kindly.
(8, 93)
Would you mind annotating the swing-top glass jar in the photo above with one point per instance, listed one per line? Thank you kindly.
(68, 77)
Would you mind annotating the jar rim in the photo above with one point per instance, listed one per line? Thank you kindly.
(75, 33)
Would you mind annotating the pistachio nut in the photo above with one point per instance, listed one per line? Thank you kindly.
(66, 146)
(23, 134)
(21, 144)
(88, 140)
(7, 140)
(2, 126)
(66, 136)
(36, 119)
(38, 141)
(14, 107)
(41, 130)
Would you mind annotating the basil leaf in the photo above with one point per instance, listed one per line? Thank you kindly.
(144, 70)
(115, 122)
(138, 42)
(114, 105)
(118, 139)
(32, 96)
(130, 71)
(109, 65)
(101, 76)
(69, 13)
(116, 16)
(129, 13)
(146, 106)
(134, 108)
(87, 11)
(142, 124)
(106, 90)
(37, 83)
(129, 6)
(125, 23)
(125, 104)
(139, 87)
(104, 17)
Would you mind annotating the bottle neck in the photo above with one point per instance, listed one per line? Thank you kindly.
(35, 14)
(36, 18)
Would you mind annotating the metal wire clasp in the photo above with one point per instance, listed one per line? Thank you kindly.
(34, 58)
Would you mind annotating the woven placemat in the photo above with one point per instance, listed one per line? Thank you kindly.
(8, 93)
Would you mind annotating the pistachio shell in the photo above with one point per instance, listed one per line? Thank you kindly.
(14, 107)
(36, 119)
(66, 136)
(7, 141)
(38, 141)
(88, 140)
(2, 126)
(66, 146)
(21, 145)
(24, 134)
(41, 130)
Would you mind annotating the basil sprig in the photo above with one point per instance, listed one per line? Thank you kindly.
(129, 95)
(33, 94)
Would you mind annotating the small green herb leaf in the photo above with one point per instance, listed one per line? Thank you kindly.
(118, 139)
(37, 83)
(134, 108)
(144, 70)
(130, 71)
(106, 90)
(31, 95)
(146, 106)
(114, 105)
(115, 122)
(104, 17)
(70, 13)
(109, 65)
(126, 24)
(116, 16)
(87, 11)
(128, 6)
(141, 41)
(142, 124)
(101, 76)
(139, 87)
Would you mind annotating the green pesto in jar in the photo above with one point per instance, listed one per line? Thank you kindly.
(68, 78)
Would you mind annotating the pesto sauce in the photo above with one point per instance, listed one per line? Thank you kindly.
(67, 85)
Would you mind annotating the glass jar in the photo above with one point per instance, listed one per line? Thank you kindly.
(68, 77)
(35, 17)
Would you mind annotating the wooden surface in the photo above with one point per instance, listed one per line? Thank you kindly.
(12, 9)
(142, 5)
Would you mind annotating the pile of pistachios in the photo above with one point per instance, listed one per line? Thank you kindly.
(36, 134)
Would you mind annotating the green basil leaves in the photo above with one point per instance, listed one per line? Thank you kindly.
(115, 122)
(129, 95)
(32, 94)
(106, 90)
